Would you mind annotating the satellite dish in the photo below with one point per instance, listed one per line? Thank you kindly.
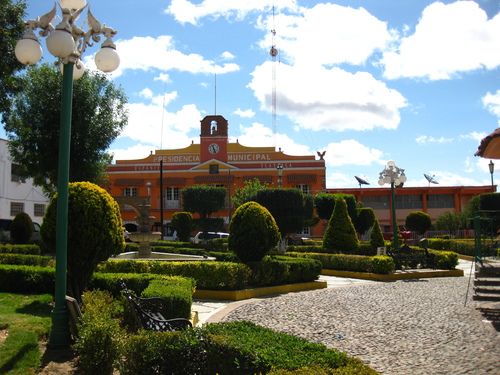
(361, 181)
(430, 179)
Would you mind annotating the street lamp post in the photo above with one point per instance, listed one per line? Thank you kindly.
(394, 176)
(67, 42)
(279, 168)
(491, 166)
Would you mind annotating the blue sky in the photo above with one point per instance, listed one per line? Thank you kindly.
(413, 81)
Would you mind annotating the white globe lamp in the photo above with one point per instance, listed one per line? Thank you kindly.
(73, 4)
(107, 59)
(60, 43)
(28, 51)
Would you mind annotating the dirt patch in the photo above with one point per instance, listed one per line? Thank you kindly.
(58, 362)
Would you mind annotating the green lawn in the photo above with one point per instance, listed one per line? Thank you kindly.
(27, 319)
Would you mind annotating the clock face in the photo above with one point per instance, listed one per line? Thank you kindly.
(213, 148)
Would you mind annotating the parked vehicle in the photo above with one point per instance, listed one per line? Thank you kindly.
(202, 237)
(5, 230)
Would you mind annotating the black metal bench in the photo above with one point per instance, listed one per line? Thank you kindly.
(147, 312)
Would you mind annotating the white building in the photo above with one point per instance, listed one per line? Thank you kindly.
(18, 195)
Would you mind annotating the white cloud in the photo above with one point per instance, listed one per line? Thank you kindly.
(351, 152)
(146, 93)
(327, 34)
(258, 135)
(160, 54)
(423, 139)
(339, 180)
(137, 151)
(163, 77)
(319, 98)
(449, 39)
(492, 103)
(475, 136)
(148, 122)
(185, 11)
(245, 113)
(226, 55)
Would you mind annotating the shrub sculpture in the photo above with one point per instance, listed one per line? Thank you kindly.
(94, 232)
(182, 222)
(21, 228)
(340, 235)
(376, 236)
(418, 221)
(253, 232)
(364, 219)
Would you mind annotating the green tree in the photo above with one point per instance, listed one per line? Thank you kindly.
(449, 221)
(95, 232)
(364, 219)
(182, 223)
(340, 235)
(203, 200)
(376, 236)
(11, 29)
(21, 228)
(32, 126)
(418, 221)
(253, 232)
(289, 208)
(247, 192)
(325, 204)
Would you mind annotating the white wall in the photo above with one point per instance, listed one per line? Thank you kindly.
(11, 191)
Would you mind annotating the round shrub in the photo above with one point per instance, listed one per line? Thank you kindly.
(253, 232)
(418, 221)
(94, 232)
(21, 228)
(182, 223)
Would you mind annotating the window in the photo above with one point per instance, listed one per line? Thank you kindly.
(16, 208)
(15, 173)
(306, 231)
(39, 210)
(130, 192)
(172, 193)
(440, 201)
(306, 189)
(408, 201)
(214, 169)
(376, 202)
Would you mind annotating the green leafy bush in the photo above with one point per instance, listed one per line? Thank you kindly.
(253, 232)
(27, 260)
(208, 275)
(26, 279)
(276, 270)
(94, 232)
(21, 228)
(232, 348)
(20, 249)
(357, 263)
(111, 282)
(413, 257)
(461, 246)
(183, 223)
(176, 293)
(376, 236)
(99, 334)
(340, 235)
(418, 221)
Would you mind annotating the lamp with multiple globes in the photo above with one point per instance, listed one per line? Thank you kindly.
(67, 42)
(395, 176)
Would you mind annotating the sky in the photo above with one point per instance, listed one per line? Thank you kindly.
(367, 81)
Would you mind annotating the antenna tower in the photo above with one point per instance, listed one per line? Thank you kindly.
(274, 53)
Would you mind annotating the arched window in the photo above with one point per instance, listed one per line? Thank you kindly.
(213, 127)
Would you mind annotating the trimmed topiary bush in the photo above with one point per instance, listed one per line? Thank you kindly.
(21, 228)
(418, 221)
(253, 232)
(376, 236)
(340, 234)
(94, 232)
(176, 293)
(182, 222)
(364, 219)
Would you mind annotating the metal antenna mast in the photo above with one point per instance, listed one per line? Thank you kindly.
(274, 53)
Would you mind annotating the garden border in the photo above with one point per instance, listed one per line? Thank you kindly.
(397, 275)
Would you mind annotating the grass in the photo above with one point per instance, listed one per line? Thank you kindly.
(27, 319)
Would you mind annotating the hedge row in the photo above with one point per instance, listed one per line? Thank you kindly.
(232, 348)
(464, 247)
(276, 270)
(381, 264)
(365, 248)
(27, 260)
(413, 257)
(176, 293)
(26, 279)
(31, 249)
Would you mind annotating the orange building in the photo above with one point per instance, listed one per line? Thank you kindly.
(434, 200)
(214, 161)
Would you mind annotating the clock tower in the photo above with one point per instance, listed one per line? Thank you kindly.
(213, 138)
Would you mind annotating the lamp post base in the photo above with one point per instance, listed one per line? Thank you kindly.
(59, 334)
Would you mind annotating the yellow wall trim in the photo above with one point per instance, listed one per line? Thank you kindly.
(398, 275)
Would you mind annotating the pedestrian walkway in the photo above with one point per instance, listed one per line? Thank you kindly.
(210, 311)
